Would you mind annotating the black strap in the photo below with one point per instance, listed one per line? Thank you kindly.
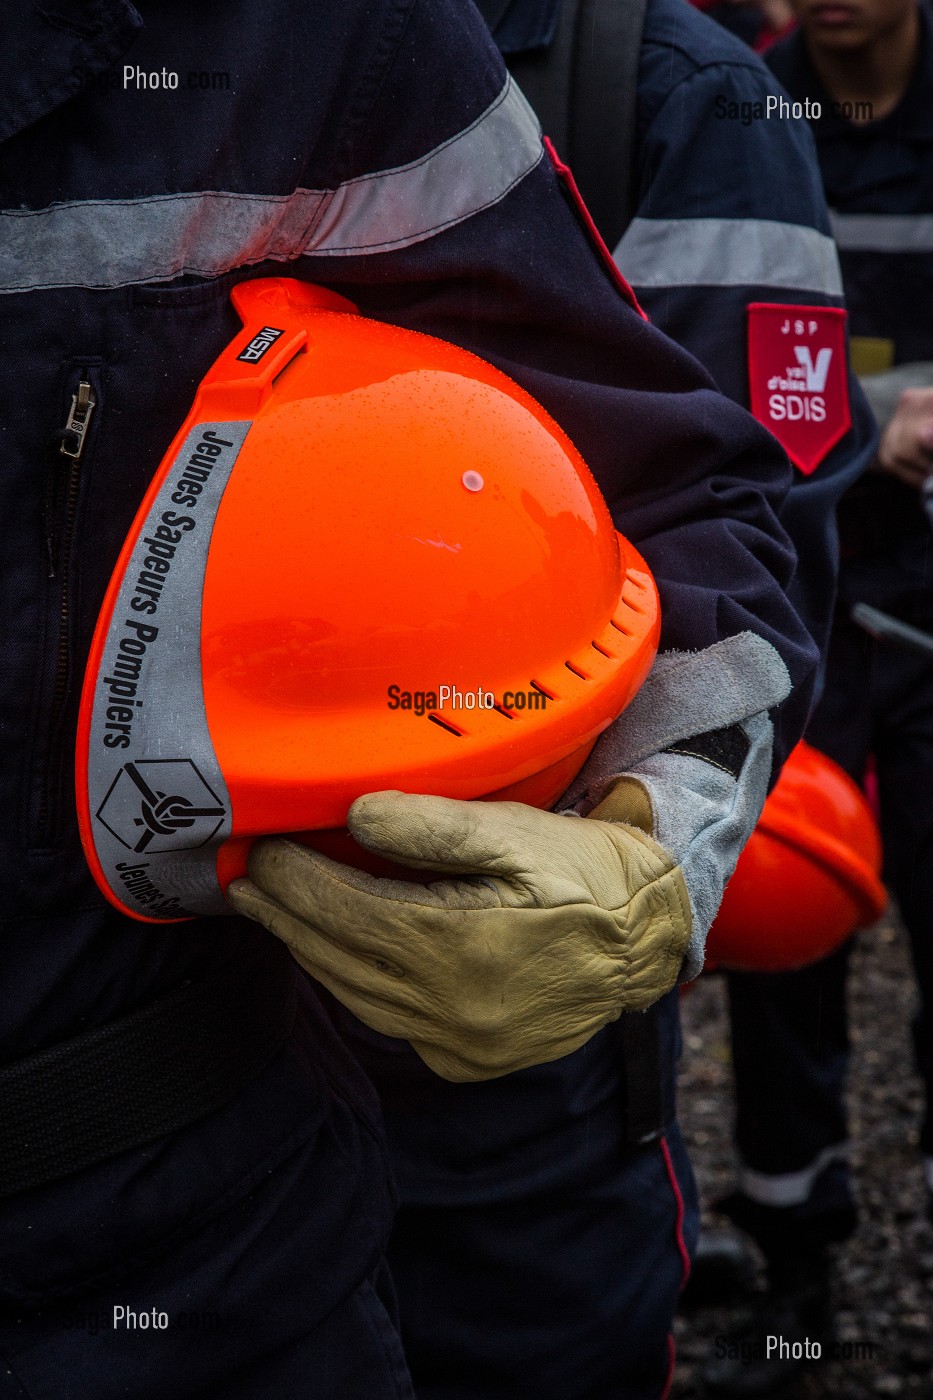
(584, 89)
(148, 1074)
(645, 1113)
(545, 76)
(723, 748)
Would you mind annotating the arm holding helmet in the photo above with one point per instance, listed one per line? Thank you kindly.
(542, 927)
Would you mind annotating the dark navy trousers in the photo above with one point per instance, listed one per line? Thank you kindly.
(240, 1259)
(536, 1253)
(790, 1042)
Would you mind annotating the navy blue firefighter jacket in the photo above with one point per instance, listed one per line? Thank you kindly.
(878, 179)
(729, 212)
(377, 147)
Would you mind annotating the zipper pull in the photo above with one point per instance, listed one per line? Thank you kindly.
(79, 417)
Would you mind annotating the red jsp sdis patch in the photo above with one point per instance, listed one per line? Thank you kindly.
(798, 383)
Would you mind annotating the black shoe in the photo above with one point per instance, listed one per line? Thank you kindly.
(788, 1332)
(723, 1271)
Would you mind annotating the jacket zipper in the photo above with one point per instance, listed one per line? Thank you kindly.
(59, 541)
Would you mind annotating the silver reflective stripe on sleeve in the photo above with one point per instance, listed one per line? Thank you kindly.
(100, 243)
(728, 253)
(467, 174)
(159, 805)
(789, 1188)
(883, 233)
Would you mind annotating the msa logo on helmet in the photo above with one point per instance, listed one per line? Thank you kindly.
(260, 344)
(161, 804)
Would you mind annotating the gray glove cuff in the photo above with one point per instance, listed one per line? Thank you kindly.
(703, 813)
(687, 693)
(703, 816)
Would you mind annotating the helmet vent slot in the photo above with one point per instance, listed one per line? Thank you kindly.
(576, 671)
(543, 690)
(445, 724)
(602, 650)
(293, 359)
(503, 711)
(619, 628)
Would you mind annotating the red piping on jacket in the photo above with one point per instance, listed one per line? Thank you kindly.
(565, 175)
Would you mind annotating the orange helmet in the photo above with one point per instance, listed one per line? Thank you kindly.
(368, 560)
(809, 876)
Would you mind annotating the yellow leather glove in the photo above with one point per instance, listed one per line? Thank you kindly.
(547, 928)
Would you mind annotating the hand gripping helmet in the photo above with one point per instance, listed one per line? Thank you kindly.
(368, 560)
(809, 876)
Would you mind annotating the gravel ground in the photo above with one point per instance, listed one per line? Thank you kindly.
(883, 1276)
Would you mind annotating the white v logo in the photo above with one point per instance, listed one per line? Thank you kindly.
(816, 375)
